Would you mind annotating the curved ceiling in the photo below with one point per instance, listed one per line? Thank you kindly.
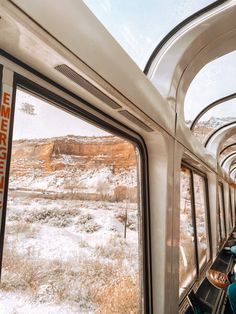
(196, 71)
(189, 49)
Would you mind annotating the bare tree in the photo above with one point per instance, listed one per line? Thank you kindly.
(28, 109)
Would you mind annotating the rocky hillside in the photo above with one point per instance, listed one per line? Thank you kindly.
(205, 127)
(92, 166)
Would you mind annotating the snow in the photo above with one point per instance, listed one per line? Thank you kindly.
(46, 242)
(20, 303)
(61, 248)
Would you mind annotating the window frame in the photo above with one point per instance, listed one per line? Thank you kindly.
(230, 208)
(111, 125)
(220, 189)
(199, 272)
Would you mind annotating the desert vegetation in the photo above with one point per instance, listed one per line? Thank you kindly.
(67, 253)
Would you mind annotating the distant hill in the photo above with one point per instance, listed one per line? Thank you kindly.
(72, 166)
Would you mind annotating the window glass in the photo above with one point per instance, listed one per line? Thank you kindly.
(138, 26)
(232, 168)
(230, 208)
(73, 241)
(209, 86)
(225, 150)
(201, 219)
(221, 214)
(187, 262)
(214, 118)
(219, 233)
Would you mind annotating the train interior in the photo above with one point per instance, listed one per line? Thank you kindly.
(117, 155)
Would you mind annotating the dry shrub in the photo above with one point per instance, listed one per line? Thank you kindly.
(55, 217)
(83, 243)
(19, 273)
(96, 273)
(89, 282)
(83, 219)
(116, 249)
(121, 296)
(85, 223)
(131, 219)
(21, 227)
(93, 276)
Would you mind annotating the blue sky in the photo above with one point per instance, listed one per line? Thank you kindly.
(216, 80)
(139, 25)
(48, 121)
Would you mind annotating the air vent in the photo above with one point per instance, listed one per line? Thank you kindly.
(78, 79)
(132, 118)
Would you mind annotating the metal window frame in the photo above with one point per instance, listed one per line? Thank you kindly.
(221, 190)
(179, 26)
(199, 272)
(29, 85)
(227, 157)
(209, 137)
(226, 147)
(210, 106)
(231, 206)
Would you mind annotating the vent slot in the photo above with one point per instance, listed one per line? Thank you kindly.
(78, 79)
(132, 118)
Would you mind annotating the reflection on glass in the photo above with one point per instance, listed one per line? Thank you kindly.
(221, 213)
(209, 85)
(138, 26)
(73, 241)
(214, 118)
(201, 219)
(187, 269)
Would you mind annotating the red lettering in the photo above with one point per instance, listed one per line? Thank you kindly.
(5, 112)
(3, 138)
(2, 183)
(4, 125)
(3, 156)
(6, 98)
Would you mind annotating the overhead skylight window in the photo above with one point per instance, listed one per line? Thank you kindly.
(215, 81)
(139, 26)
(214, 118)
(227, 148)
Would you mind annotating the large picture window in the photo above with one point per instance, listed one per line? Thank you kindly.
(194, 250)
(73, 239)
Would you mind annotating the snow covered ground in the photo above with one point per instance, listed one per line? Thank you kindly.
(66, 256)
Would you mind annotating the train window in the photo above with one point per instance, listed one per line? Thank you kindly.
(215, 117)
(230, 208)
(73, 241)
(221, 215)
(194, 243)
(228, 148)
(187, 262)
(201, 219)
(214, 73)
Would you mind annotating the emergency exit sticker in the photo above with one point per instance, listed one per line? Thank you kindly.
(5, 113)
